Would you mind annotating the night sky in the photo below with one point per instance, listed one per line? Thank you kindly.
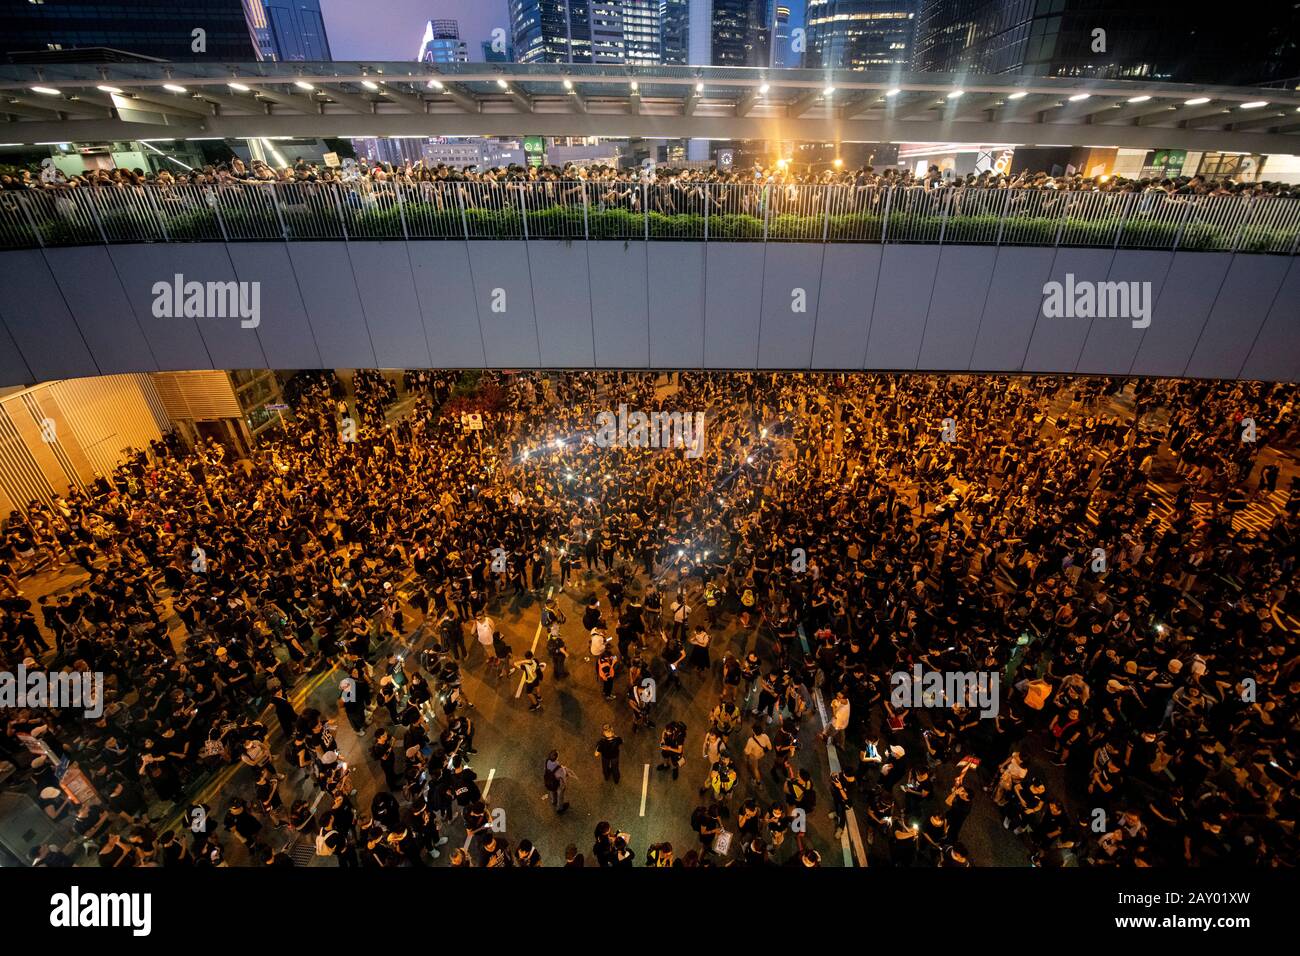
(391, 29)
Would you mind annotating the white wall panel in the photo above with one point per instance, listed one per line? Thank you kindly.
(1248, 293)
(902, 301)
(386, 287)
(733, 301)
(501, 276)
(676, 284)
(786, 336)
(620, 303)
(848, 292)
(286, 334)
(104, 313)
(562, 303)
(445, 289)
(1274, 354)
(39, 320)
(613, 304)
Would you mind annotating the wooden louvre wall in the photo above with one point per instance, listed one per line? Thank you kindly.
(61, 435)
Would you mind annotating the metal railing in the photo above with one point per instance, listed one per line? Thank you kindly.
(366, 210)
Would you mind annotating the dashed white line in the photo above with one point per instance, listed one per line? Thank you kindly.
(536, 637)
(486, 787)
(850, 835)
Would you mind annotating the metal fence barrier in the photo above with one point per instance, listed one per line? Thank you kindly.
(675, 209)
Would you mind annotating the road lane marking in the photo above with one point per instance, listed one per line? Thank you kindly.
(486, 787)
(536, 636)
(850, 834)
(645, 787)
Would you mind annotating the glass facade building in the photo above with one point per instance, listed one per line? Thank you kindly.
(674, 32)
(860, 34)
(551, 31)
(441, 43)
(1109, 39)
(162, 29)
(289, 30)
(641, 39)
(739, 33)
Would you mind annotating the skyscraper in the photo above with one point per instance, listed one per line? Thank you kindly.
(860, 34)
(783, 54)
(551, 31)
(1110, 39)
(606, 31)
(288, 29)
(497, 56)
(163, 29)
(739, 33)
(674, 32)
(441, 43)
(641, 39)
(727, 33)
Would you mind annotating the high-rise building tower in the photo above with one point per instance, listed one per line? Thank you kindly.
(860, 34)
(607, 44)
(728, 33)
(551, 31)
(739, 33)
(441, 43)
(1109, 39)
(641, 37)
(783, 54)
(674, 32)
(161, 29)
(286, 29)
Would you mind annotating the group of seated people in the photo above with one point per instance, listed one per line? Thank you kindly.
(1146, 705)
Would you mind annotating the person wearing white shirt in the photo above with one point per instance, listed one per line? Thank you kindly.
(839, 720)
(484, 628)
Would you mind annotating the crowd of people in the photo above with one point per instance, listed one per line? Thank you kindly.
(835, 533)
(663, 189)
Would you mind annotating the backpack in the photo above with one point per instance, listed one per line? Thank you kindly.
(606, 670)
(747, 598)
(322, 843)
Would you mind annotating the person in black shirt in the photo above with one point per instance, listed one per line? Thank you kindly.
(607, 749)
(603, 848)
